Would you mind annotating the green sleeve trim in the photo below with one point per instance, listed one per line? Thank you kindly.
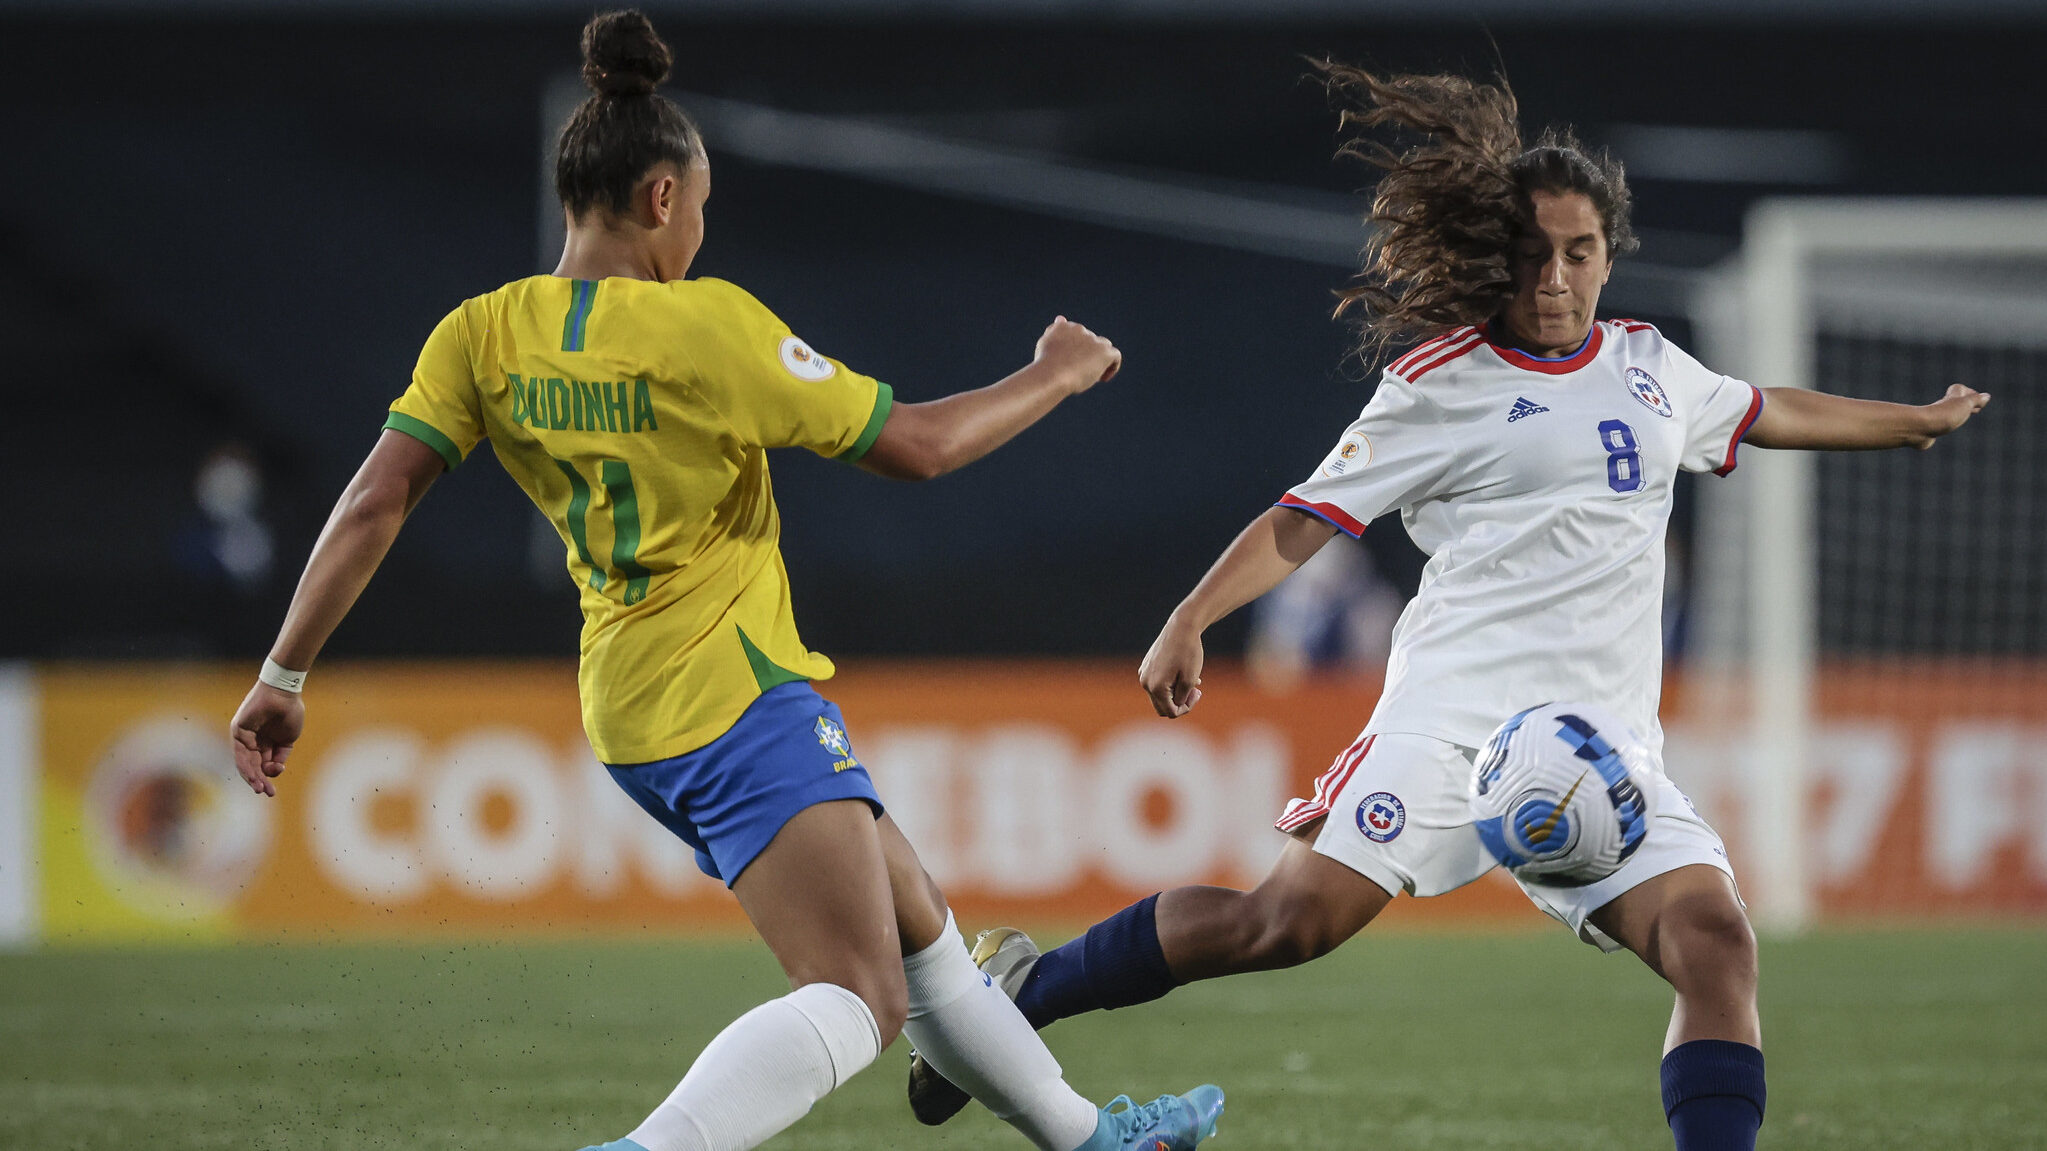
(766, 672)
(884, 402)
(427, 434)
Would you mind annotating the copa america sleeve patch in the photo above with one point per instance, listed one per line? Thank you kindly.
(1354, 452)
(805, 364)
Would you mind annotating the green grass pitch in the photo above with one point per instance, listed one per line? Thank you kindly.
(1399, 1040)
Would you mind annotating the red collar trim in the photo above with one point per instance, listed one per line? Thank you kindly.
(1553, 366)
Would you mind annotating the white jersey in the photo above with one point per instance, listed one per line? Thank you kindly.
(1541, 491)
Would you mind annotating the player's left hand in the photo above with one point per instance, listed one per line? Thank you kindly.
(1947, 413)
(264, 729)
(1171, 672)
(1087, 359)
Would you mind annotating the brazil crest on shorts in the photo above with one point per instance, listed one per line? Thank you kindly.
(832, 738)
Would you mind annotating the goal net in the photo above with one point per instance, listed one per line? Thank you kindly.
(1864, 695)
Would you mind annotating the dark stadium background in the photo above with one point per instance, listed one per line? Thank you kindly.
(235, 228)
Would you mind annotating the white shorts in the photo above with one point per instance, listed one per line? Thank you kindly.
(1396, 810)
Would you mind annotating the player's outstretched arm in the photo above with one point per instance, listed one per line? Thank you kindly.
(358, 533)
(922, 441)
(1262, 555)
(1797, 418)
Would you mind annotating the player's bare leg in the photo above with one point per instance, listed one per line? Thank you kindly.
(970, 1032)
(1689, 927)
(1306, 907)
(920, 906)
(818, 894)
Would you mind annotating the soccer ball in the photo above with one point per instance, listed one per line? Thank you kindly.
(1564, 794)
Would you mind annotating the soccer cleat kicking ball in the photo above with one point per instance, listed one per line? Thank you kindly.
(1564, 794)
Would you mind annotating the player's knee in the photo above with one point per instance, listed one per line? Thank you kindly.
(1289, 945)
(888, 1019)
(1289, 933)
(880, 986)
(1709, 944)
(890, 1005)
(1724, 931)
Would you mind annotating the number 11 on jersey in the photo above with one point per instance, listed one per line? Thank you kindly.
(617, 479)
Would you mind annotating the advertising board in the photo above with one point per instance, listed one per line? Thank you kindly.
(461, 799)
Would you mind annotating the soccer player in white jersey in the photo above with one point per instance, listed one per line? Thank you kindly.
(1531, 452)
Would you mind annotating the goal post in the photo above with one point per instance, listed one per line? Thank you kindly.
(1897, 287)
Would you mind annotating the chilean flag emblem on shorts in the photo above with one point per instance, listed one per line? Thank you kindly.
(1381, 816)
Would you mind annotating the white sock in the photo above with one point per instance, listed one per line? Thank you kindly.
(764, 1071)
(970, 1031)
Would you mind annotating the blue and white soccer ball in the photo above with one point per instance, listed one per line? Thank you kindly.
(1564, 793)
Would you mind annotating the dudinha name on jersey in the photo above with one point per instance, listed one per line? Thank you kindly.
(602, 406)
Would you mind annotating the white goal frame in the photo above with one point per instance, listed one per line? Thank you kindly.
(1759, 319)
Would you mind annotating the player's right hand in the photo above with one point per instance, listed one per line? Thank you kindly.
(1087, 358)
(264, 729)
(1947, 413)
(1171, 671)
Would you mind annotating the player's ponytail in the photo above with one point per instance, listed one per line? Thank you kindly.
(625, 127)
(1447, 211)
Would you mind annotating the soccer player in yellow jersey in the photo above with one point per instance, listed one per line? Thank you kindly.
(635, 408)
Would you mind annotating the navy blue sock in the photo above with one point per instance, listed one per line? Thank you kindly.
(1713, 1095)
(1117, 963)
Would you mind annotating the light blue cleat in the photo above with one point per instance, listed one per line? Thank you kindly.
(1168, 1123)
(617, 1145)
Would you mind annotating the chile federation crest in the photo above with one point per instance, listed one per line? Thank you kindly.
(1381, 815)
(1644, 387)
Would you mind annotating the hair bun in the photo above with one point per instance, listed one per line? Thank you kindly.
(622, 56)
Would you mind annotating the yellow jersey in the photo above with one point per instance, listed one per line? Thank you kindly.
(637, 415)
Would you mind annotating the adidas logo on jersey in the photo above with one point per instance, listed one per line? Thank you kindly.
(1524, 406)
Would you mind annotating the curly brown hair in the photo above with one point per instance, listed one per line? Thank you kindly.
(1447, 211)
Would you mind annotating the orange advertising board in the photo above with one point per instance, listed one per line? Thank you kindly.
(461, 798)
(1926, 786)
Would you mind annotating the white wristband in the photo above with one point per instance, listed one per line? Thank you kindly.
(280, 677)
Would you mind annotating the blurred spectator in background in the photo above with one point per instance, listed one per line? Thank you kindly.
(227, 542)
(1334, 614)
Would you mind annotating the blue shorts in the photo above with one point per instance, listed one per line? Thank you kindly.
(728, 798)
